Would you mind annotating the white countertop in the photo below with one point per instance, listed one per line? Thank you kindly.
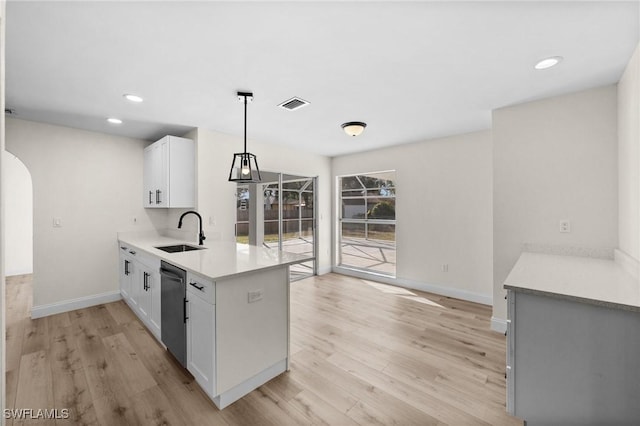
(598, 281)
(218, 260)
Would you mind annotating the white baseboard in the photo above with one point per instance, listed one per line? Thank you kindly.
(73, 304)
(499, 324)
(440, 289)
(325, 270)
(12, 272)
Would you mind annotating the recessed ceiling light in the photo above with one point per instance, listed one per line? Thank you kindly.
(548, 62)
(114, 120)
(132, 98)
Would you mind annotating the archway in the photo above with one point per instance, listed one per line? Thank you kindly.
(18, 212)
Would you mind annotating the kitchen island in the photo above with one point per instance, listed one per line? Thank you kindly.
(573, 339)
(236, 308)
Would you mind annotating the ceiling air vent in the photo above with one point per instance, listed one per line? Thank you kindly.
(293, 104)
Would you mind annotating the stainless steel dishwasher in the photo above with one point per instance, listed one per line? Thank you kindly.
(173, 308)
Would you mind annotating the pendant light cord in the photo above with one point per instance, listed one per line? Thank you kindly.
(245, 124)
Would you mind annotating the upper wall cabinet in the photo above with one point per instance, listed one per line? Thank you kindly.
(169, 173)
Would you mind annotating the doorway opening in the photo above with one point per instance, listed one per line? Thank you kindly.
(18, 217)
(280, 212)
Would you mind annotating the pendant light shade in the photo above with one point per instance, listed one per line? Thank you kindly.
(244, 168)
(354, 128)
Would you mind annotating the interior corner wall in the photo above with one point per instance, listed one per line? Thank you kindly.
(216, 196)
(554, 159)
(443, 211)
(92, 182)
(18, 197)
(629, 158)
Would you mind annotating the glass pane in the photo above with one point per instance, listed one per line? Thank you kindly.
(350, 182)
(293, 185)
(307, 205)
(354, 230)
(270, 223)
(385, 191)
(242, 215)
(370, 247)
(355, 193)
(381, 232)
(307, 229)
(353, 208)
(381, 208)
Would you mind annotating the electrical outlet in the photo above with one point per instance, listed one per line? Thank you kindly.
(254, 296)
(565, 226)
(445, 267)
(212, 221)
(57, 222)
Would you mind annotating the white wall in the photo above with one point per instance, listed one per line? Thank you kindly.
(93, 183)
(443, 211)
(18, 198)
(3, 392)
(216, 196)
(554, 159)
(629, 158)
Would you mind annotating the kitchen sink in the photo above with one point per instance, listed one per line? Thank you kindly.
(179, 248)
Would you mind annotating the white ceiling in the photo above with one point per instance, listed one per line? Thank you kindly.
(411, 70)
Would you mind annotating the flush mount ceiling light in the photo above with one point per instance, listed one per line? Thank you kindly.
(354, 128)
(548, 62)
(133, 98)
(114, 120)
(244, 168)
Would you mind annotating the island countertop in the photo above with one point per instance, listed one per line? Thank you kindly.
(218, 260)
(585, 279)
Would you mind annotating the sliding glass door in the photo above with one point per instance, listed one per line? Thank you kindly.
(367, 222)
(280, 212)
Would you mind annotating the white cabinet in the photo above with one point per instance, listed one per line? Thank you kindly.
(128, 275)
(140, 286)
(169, 173)
(201, 329)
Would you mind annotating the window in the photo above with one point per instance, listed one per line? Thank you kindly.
(367, 228)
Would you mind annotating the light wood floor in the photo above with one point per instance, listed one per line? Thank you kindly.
(362, 353)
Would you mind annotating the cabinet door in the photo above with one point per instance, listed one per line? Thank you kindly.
(132, 287)
(161, 166)
(144, 299)
(169, 173)
(148, 186)
(125, 281)
(511, 350)
(200, 343)
(153, 281)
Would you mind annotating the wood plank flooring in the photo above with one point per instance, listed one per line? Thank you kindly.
(363, 353)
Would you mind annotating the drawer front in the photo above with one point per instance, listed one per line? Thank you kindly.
(201, 287)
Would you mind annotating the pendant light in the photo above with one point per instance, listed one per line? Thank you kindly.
(244, 168)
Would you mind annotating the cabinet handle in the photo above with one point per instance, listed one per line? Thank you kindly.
(132, 252)
(158, 192)
(146, 279)
(185, 310)
(199, 287)
(126, 267)
(123, 248)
